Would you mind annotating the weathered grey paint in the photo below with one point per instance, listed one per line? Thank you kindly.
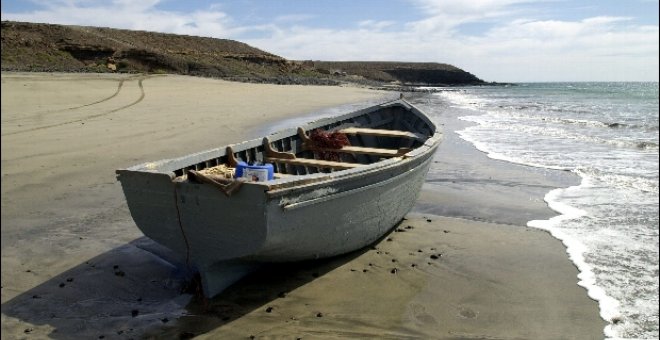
(290, 219)
(354, 214)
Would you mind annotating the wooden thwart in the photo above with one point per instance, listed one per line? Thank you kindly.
(363, 150)
(382, 152)
(382, 133)
(316, 163)
(275, 156)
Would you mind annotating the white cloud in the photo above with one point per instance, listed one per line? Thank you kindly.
(523, 50)
(294, 18)
(375, 25)
(129, 14)
(468, 9)
(443, 16)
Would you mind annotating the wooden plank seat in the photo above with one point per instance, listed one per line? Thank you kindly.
(275, 156)
(279, 175)
(382, 133)
(363, 150)
(315, 163)
(382, 152)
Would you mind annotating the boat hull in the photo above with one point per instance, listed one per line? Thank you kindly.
(310, 216)
(343, 217)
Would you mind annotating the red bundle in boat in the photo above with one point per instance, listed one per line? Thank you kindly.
(328, 140)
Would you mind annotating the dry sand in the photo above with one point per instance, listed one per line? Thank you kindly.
(75, 266)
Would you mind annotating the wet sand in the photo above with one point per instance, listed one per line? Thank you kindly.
(75, 266)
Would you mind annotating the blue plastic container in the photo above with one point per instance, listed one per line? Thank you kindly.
(254, 173)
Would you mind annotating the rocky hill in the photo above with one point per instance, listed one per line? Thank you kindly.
(406, 73)
(64, 48)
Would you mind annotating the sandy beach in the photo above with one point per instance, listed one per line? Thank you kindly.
(460, 266)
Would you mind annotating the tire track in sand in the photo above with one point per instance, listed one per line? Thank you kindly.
(119, 86)
(79, 120)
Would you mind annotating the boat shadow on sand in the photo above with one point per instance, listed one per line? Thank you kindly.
(129, 292)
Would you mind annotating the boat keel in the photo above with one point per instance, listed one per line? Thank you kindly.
(219, 276)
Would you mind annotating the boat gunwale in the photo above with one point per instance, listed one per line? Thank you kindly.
(283, 185)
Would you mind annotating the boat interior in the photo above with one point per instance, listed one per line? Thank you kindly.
(386, 133)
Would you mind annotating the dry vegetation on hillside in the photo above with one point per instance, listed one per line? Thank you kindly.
(62, 48)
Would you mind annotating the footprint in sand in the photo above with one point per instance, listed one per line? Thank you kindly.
(420, 316)
(466, 313)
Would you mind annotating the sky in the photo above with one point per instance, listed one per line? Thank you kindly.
(496, 40)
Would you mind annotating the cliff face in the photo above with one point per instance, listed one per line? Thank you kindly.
(62, 48)
(405, 73)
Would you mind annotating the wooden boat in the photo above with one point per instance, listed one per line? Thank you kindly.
(312, 208)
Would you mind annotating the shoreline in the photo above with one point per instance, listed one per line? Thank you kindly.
(67, 234)
(555, 180)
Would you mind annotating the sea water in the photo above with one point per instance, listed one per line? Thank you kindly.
(607, 133)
